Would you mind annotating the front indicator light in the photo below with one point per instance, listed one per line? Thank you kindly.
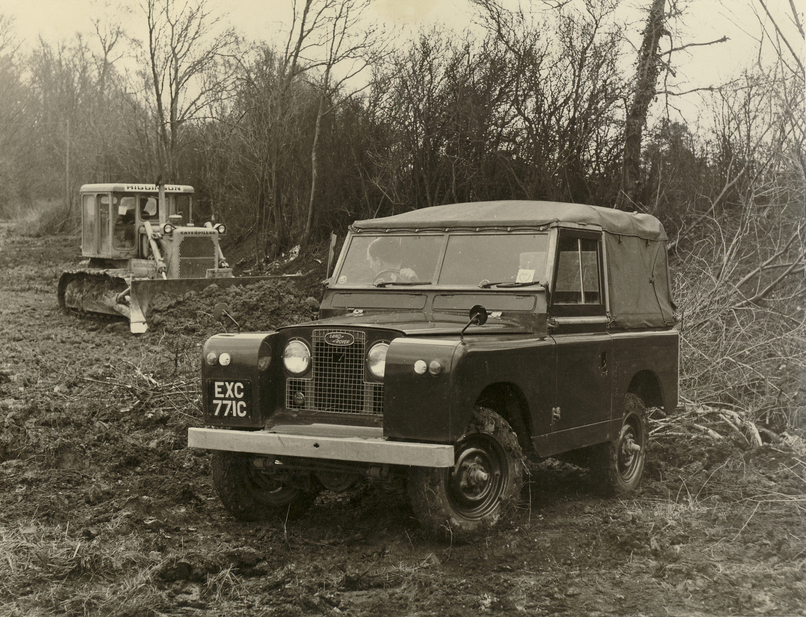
(296, 357)
(376, 359)
(212, 358)
(435, 367)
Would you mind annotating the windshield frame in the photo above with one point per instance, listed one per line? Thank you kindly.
(540, 277)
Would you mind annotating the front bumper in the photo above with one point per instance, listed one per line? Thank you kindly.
(319, 441)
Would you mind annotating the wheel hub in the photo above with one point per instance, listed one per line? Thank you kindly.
(629, 451)
(473, 474)
(473, 477)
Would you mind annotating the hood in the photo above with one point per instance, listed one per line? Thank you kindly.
(421, 324)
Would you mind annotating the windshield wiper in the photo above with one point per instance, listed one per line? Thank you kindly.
(401, 283)
(488, 284)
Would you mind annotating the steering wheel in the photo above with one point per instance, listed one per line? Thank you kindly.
(386, 276)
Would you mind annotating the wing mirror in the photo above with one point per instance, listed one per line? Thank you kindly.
(478, 317)
(220, 310)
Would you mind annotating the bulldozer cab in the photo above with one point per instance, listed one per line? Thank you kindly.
(113, 217)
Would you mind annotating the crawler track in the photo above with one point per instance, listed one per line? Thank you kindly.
(90, 295)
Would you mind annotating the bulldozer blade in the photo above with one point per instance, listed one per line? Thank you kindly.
(143, 291)
(92, 292)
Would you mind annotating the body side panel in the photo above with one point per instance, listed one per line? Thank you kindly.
(653, 351)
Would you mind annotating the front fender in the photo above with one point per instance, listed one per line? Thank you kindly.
(239, 394)
(421, 407)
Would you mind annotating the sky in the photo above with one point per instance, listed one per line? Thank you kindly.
(705, 20)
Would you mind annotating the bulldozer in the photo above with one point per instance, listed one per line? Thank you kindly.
(139, 241)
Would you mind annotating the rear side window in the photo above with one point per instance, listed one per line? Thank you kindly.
(578, 280)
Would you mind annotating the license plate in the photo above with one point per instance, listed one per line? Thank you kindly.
(229, 398)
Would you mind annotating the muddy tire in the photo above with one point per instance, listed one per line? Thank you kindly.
(617, 466)
(482, 487)
(250, 494)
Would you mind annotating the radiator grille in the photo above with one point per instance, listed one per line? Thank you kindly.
(337, 380)
(197, 254)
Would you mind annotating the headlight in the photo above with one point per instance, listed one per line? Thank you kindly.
(376, 359)
(224, 359)
(221, 229)
(296, 357)
(168, 229)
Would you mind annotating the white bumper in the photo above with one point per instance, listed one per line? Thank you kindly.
(364, 445)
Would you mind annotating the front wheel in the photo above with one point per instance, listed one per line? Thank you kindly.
(251, 494)
(483, 484)
(619, 464)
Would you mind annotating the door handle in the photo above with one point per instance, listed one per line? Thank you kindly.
(603, 362)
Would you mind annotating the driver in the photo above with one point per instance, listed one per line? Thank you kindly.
(385, 257)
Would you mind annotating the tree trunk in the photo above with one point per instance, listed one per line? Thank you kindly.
(314, 164)
(646, 80)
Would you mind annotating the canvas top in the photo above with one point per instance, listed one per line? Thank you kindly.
(519, 213)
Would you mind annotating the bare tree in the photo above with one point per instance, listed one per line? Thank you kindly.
(13, 107)
(565, 93)
(645, 88)
(284, 96)
(743, 330)
(652, 63)
(346, 44)
(788, 45)
(265, 131)
(184, 45)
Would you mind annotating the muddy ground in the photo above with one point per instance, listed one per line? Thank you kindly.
(104, 511)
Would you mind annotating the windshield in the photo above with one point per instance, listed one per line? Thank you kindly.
(374, 259)
(475, 260)
(491, 259)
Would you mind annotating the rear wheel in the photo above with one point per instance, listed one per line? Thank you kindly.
(251, 494)
(619, 464)
(480, 488)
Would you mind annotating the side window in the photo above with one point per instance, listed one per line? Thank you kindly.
(124, 223)
(103, 223)
(90, 227)
(149, 208)
(577, 280)
(182, 207)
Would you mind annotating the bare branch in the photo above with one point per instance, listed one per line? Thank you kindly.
(682, 47)
(781, 35)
